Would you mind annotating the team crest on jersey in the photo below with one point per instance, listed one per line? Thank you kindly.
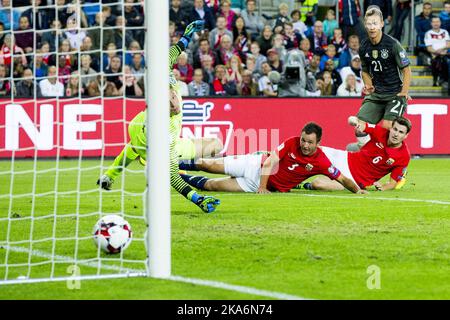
(390, 161)
(384, 53)
(309, 167)
(374, 54)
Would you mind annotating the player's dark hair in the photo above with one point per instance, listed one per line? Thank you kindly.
(312, 127)
(403, 122)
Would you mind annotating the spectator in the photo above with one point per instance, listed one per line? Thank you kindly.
(202, 12)
(250, 65)
(215, 36)
(444, 15)
(294, 83)
(241, 38)
(73, 85)
(9, 16)
(5, 83)
(214, 5)
(305, 47)
(253, 22)
(53, 37)
(203, 49)
(274, 60)
(110, 17)
(230, 15)
(64, 70)
(326, 84)
(9, 48)
(99, 32)
(134, 48)
(313, 67)
(437, 41)
(225, 50)
(422, 24)
(330, 23)
(338, 41)
(197, 87)
(309, 10)
(66, 50)
(185, 69)
(111, 51)
(281, 18)
(50, 87)
(25, 87)
(291, 38)
(183, 86)
(222, 86)
(93, 89)
(354, 68)
(318, 39)
(352, 50)
(248, 86)
(265, 86)
(265, 39)
(135, 20)
(402, 12)
(259, 58)
(25, 36)
(18, 68)
(87, 47)
(329, 67)
(235, 69)
(237, 6)
(178, 16)
(40, 68)
(137, 66)
(73, 34)
(297, 23)
(278, 44)
(349, 12)
(120, 34)
(114, 70)
(208, 69)
(86, 72)
(349, 88)
(132, 87)
(330, 54)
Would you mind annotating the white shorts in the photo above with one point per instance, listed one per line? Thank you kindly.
(339, 159)
(246, 169)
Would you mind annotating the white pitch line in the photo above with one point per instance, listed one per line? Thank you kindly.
(297, 194)
(136, 272)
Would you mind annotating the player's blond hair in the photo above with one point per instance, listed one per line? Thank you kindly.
(373, 11)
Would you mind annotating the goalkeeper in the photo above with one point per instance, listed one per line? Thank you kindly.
(136, 148)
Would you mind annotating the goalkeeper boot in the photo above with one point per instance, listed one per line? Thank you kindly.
(207, 203)
(105, 182)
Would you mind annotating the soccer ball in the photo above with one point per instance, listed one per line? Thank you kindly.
(112, 234)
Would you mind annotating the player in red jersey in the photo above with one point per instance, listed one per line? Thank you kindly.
(294, 161)
(385, 153)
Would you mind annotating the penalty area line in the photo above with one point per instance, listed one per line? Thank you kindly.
(137, 273)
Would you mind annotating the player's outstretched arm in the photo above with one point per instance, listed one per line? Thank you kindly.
(359, 125)
(350, 185)
(176, 50)
(266, 170)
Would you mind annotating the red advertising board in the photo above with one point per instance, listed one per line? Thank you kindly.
(94, 127)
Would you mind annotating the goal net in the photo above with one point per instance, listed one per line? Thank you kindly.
(71, 79)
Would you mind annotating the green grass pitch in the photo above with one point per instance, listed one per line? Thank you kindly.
(308, 244)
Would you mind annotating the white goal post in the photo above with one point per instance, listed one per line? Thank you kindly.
(54, 148)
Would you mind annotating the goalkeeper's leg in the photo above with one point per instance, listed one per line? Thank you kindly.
(126, 156)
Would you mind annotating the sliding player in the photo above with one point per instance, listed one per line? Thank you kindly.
(295, 160)
(385, 153)
(136, 148)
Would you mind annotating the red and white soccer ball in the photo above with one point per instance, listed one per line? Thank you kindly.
(112, 234)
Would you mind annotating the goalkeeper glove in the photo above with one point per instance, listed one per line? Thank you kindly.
(105, 182)
(207, 203)
(193, 27)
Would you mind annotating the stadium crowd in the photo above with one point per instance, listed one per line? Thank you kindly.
(65, 48)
